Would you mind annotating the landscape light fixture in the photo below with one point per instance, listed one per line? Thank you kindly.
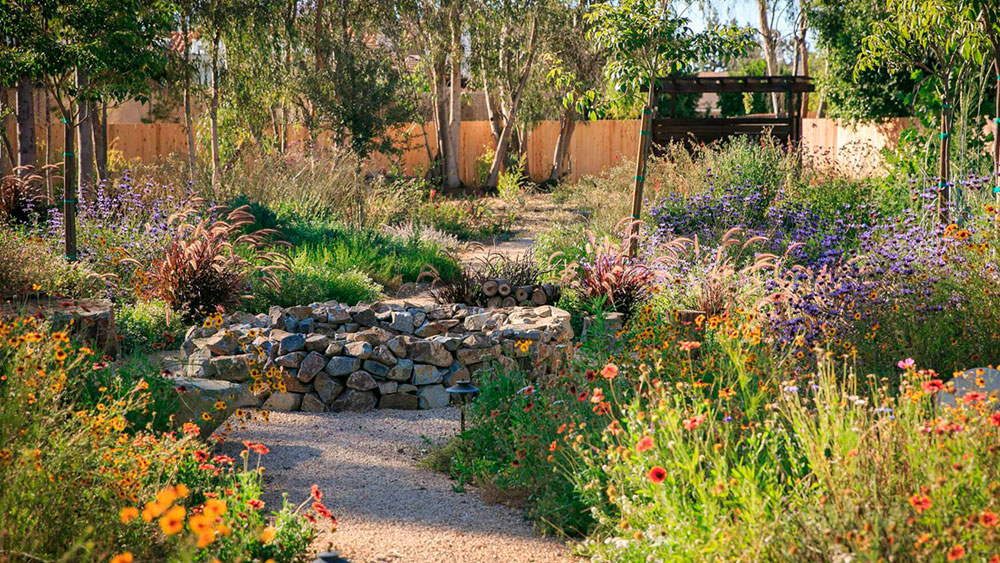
(464, 389)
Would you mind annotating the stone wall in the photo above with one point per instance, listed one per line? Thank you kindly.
(330, 357)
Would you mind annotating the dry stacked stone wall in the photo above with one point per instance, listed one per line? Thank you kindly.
(331, 357)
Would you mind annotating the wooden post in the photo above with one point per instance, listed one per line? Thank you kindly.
(645, 132)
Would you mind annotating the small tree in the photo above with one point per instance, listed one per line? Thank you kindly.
(936, 37)
(647, 39)
(987, 15)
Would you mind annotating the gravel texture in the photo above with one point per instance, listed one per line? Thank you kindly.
(388, 509)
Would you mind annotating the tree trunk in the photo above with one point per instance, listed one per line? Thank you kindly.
(453, 138)
(70, 192)
(491, 111)
(101, 140)
(502, 145)
(214, 116)
(440, 115)
(188, 116)
(27, 148)
(560, 160)
(996, 133)
(804, 52)
(768, 43)
(85, 135)
(640, 166)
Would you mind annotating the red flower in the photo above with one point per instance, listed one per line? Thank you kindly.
(932, 386)
(256, 503)
(321, 510)
(602, 408)
(693, 422)
(988, 518)
(315, 493)
(583, 396)
(920, 502)
(528, 407)
(657, 474)
(956, 553)
(223, 459)
(645, 444)
(995, 419)
(260, 449)
(201, 456)
(973, 397)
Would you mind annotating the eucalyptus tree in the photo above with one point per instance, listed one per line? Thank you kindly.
(986, 13)
(646, 40)
(575, 75)
(937, 38)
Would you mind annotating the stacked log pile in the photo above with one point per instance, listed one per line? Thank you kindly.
(500, 293)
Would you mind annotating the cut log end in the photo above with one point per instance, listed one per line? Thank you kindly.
(489, 288)
(523, 293)
(494, 302)
(538, 297)
(509, 302)
(503, 287)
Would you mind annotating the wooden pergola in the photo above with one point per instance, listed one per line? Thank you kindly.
(785, 126)
(654, 133)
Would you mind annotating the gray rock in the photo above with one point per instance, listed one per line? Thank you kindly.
(427, 352)
(310, 366)
(292, 360)
(311, 402)
(354, 401)
(334, 349)
(401, 322)
(349, 327)
(221, 344)
(229, 368)
(399, 345)
(291, 324)
(327, 387)
(359, 349)
(362, 381)
(283, 402)
(418, 316)
(476, 341)
(292, 383)
(478, 322)
(375, 368)
(291, 343)
(338, 316)
(197, 396)
(305, 326)
(430, 329)
(342, 365)
(387, 387)
(432, 397)
(424, 374)
(457, 372)
(450, 343)
(406, 388)
(401, 371)
(374, 336)
(400, 401)
(363, 315)
(317, 342)
(383, 355)
(300, 313)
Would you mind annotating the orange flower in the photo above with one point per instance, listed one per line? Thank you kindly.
(956, 553)
(988, 518)
(200, 524)
(215, 507)
(122, 558)
(610, 371)
(645, 444)
(128, 514)
(267, 534)
(920, 502)
(173, 521)
(657, 474)
(688, 345)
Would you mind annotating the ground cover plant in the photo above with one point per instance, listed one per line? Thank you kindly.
(154, 492)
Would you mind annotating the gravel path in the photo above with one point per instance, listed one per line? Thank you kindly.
(388, 509)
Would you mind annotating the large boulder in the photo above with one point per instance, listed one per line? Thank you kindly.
(199, 395)
(353, 400)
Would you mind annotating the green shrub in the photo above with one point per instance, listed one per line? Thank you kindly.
(314, 277)
(31, 267)
(147, 325)
(465, 219)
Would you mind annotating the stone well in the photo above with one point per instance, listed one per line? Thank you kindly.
(331, 357)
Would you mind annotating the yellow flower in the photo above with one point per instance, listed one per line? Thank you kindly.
(166, 496)
(220, 406)
(205, 416)
(128, 514)
(173, 521)
(267, 534)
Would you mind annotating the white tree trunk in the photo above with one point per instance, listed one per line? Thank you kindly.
(27, 148)
(85, 138)
(769, 44)
(453, 138)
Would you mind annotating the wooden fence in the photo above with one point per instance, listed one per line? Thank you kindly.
(595, 146)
